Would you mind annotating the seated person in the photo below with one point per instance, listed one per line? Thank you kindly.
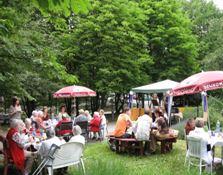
(46, 144)
(122, 124)
(88, 115)
(77, 135)
(22, 159)
(199, 132)
(35, 119)
(28, 126)
(63, 132)
(34, 115)
(62, 113)
(157, 115)
(162, 131)
(143, 126)
(39, 120)
(81, 117)
(95, 124)
(190, 126)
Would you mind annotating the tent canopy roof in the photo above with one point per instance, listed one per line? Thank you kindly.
(158, 87)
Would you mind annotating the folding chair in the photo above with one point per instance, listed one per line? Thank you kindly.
(196, 147)
(65, 130)
(48, 159)
(84, 128)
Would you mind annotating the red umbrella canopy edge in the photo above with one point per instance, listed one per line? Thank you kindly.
(204, 81)
(74, 91)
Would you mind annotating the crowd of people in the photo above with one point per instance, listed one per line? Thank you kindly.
(145, 128)
(34, 136)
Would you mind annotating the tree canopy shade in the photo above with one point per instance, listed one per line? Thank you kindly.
(171, 43)
(64, 7)
(214, 59)
(28, 53)
(108, 46)
(201, 13)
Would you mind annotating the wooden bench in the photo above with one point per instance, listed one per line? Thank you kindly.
(127, 145)
(166, 143)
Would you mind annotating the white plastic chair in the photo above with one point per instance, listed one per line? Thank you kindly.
(195, 150)
(69, 154)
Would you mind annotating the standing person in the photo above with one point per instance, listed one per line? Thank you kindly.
(103, 125)
(95, 125)
(123, 123)
(15, 109)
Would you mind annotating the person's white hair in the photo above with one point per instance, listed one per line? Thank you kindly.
(86, 112)
(50, 133)
(40, 113)
(15, 123)
(35, 113)
(77, 130)
(81, 111)
(28, 121)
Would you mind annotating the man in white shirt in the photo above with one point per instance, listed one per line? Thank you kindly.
(143, 126)
(77, 135)
(46, 145)
(199, 132)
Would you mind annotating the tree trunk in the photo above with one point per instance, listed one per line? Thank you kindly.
(28, 105)
(95, 103)
(68, 105)
(103, 101)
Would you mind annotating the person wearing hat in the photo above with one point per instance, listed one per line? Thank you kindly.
(81, 117)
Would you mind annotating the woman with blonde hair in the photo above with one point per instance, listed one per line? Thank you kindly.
(103, 125)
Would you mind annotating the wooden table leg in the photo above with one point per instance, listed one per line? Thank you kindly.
(163, 149)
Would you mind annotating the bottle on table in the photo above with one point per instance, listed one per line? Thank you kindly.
(218, 126)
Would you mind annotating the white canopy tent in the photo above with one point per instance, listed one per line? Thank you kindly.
(158, 87)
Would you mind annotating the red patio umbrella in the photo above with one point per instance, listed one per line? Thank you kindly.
(196, 83)
(74, 91)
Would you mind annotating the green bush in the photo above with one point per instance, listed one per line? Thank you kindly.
(215, 107)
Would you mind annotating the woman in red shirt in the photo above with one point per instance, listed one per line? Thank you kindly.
(22, 159)
(95, 124)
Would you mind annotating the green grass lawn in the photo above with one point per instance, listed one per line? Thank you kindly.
(99, 160)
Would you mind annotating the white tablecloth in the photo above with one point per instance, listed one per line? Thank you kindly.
(217, 140)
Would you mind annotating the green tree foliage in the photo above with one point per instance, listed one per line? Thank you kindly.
(108, 46)
(201, 13)
(28, 53)
(64, 7)
(172, 45)
(214, 59)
